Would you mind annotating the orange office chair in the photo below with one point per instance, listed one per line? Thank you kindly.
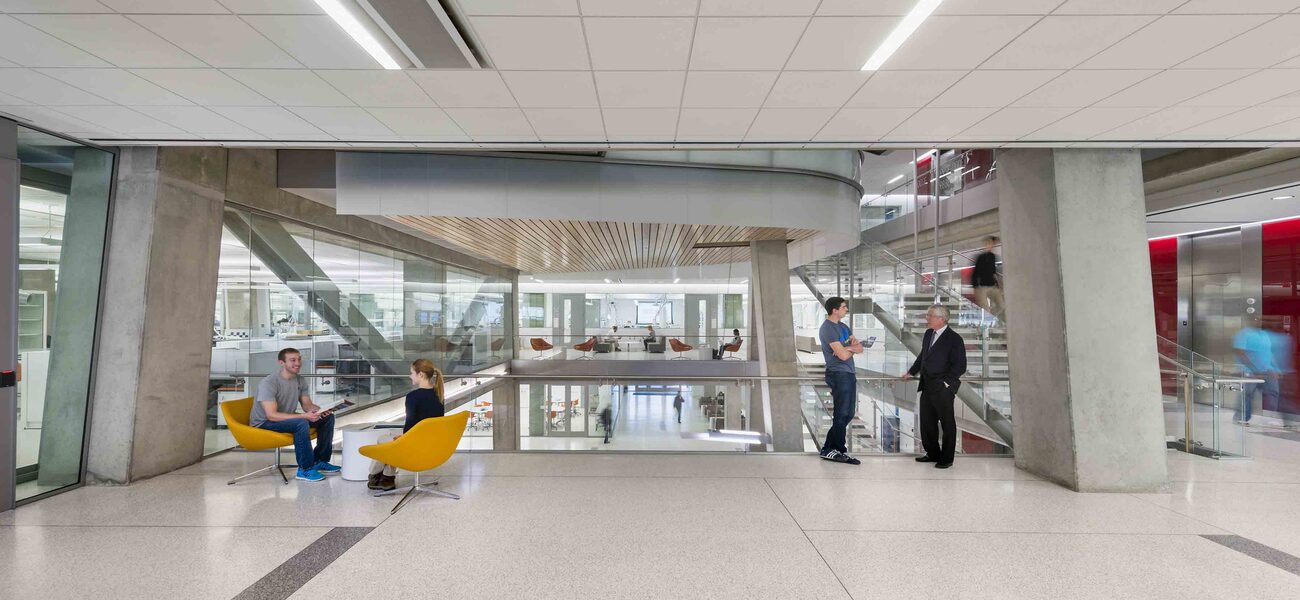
(731, 350)
(256, 438)
(585, 348)
(679, 348)
(540, 345)
(426, 446)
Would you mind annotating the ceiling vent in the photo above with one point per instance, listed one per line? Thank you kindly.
(425, 32)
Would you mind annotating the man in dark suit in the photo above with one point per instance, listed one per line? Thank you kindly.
(940, 366)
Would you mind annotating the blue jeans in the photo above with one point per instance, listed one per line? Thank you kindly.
(301, 430)
(1269, 388)
(844, 394)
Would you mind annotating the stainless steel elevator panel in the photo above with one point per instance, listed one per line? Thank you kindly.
(1217, 303)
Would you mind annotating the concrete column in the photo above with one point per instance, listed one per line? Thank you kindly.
(155, 353)
(8, 307)
(774, 408)
(1084, 373)
(505, 417)
(63, 423)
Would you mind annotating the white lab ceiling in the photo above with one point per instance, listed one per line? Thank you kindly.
(665, 73)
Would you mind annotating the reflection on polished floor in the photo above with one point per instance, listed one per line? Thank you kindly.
(742, 526)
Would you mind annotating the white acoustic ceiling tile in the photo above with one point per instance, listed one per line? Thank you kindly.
(1081, 88)
(903, 89)
(29, 46)
(745, 43)
(56, 121)
(714, 123)
(314, 40)
(290, 87)
(120, 119)
(843, 43)
(862, 124)
(415, 122)
(858, 8)
(377, 88)
(516, 7)
(465, 88)
(639, 8)
(273, 7)
(115, 39)
(1206, 7)
(552, 89)
(481, 122)
(53, 6)
(1257, 88)
(993, 89)
(938, 123)
(46, 91)
(194, 119)
(188, 7)
(640, 123)
(1164, 122)
(7, 100)
(997, 7)
(533, 42)
(1011, 123)
(1171, 40)
(341, 121)
(811, 89)
(720, 89)
(639, 43)
(978, 37)
(271, 121)
(1240, 123)
(220, 41)
(1063, 42)
(117, 86)
(1087, 123)
(640, 89)
(1260, 47)
(788, 124)
(1172, 87)
(1291, 99)
(757, 8)
(208, 87)
(1118, 7)
(5, 64)
(552, 123)
(1288, 131)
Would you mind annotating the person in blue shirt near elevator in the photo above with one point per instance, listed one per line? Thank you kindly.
(838, 347)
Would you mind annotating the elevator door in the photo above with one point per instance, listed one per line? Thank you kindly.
(1217, 300)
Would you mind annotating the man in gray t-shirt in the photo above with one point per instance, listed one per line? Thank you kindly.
(838, 348)
(279, 397)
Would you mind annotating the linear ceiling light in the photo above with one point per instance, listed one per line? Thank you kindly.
(894, 180)
(919, 14)
(359, 34)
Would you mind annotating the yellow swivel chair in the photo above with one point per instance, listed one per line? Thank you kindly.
(254, 438)
(426, 446)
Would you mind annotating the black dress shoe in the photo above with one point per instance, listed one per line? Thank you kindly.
(924, 458)
(942, 465)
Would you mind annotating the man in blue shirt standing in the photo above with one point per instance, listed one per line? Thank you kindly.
(838, 347)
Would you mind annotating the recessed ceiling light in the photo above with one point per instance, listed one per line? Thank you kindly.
(918, 15)
(1283, 197)
(359, 34)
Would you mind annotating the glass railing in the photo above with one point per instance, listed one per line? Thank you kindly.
(1202, 400)
(633, 347)
(930, 180)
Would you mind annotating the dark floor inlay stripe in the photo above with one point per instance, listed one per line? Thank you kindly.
(1286, 435)
(1258, 551)
(298, 570)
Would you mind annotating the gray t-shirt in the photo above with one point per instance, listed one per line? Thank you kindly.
(835, 332)
(285, 392)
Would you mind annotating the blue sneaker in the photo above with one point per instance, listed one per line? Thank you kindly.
(309, 475)
(327, 468)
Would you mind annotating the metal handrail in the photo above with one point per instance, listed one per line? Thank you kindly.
(654, 378)
(961, 300)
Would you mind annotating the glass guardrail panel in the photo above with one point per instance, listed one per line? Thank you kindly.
(634, 347)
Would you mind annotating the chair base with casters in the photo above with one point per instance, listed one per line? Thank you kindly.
(422, 488)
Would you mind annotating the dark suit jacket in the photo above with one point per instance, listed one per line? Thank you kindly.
(942, 364)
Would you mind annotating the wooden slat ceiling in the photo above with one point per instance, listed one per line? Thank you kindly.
(562, 246)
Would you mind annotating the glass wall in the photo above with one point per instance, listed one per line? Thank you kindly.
(63, 203)
(351, 307)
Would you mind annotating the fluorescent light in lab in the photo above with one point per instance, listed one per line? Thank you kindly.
(1283, 197)
(607, 280)
(894, 180)
(353, 27)
(677, 279)
(919, 14)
